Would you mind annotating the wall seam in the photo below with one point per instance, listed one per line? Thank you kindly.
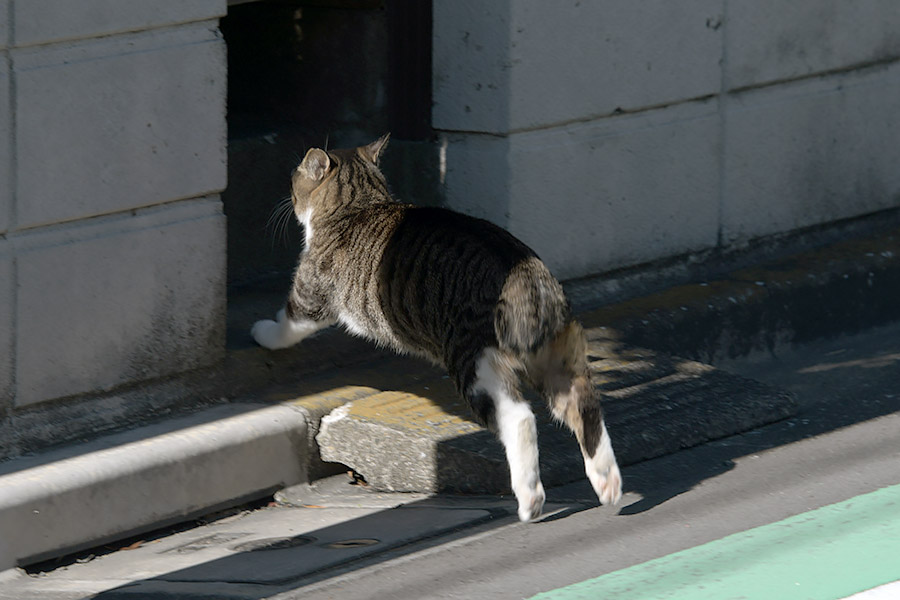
(12, 216)
(723, 128)
(13, 123)
(858, 67)
(204, 23)
(592, 118)
(208, 195)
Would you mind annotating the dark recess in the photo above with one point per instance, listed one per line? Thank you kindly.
(304, 74)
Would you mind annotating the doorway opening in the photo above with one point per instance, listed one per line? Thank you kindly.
(315, 73)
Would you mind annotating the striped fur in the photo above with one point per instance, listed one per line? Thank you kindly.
(457, 290)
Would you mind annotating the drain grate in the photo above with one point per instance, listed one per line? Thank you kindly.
(352, 543)
(278, 543)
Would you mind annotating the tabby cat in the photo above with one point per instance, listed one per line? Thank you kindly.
(454, 289)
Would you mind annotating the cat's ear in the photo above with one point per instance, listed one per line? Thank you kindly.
(315, 164)
(373, 151)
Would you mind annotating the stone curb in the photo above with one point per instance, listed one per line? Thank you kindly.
(314, 408)
(118, 485)
(86, 494)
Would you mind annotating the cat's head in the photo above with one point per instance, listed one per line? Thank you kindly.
(333, 175)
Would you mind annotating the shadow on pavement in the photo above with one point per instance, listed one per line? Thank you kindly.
(677, 408)
(837, 383)
(250, 567)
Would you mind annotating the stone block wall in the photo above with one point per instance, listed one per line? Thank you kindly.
(605, 134)
(608, 134)
(112, 237)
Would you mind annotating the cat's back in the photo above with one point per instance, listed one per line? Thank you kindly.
(458, 236)
(445, 275)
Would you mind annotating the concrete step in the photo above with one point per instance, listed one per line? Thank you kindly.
(655, 404)
(84, 495)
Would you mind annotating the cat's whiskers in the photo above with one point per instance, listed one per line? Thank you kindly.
(287, 216)
(275, 215)
(279, 220)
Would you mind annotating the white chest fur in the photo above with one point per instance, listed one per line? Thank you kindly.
(305, 219)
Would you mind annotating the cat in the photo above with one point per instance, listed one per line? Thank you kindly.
(457, 290)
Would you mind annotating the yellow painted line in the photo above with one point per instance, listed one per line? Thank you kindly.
(404, 411)
(324, 402)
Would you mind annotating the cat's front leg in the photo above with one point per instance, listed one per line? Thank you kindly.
(284, 331)
(304, 313)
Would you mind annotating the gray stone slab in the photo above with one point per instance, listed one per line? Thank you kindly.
(144, 298)
(143, 114)
(43, 21)
(4, 23)
(810, 153)
(6, 185)
(7, 296)
(582, 195)
(655, 404)
(600, 206)
(771, 40)
(395, 439)
(513, 65)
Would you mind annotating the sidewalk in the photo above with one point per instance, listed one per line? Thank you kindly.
(135, 481)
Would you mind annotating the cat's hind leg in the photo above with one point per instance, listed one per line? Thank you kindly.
(565, 382)
(496, 401)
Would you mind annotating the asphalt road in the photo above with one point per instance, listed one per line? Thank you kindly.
(845, 442)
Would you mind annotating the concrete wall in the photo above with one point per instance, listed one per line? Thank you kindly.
(608, 134)
(605, 134)
(112, 238)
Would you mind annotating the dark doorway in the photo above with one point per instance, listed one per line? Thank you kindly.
(314, 73)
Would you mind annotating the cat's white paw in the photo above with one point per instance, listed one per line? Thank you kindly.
(603, 471)
(531, 503)
(284, 332)
(607, 484)
(267, 334)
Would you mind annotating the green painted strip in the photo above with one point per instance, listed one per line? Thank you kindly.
(824, 554)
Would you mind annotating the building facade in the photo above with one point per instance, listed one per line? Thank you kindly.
(606, 134)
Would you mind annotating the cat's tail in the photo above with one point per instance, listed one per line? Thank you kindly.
(532, 309)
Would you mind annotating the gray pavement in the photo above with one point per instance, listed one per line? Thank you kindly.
(334, 539)
(667, 404)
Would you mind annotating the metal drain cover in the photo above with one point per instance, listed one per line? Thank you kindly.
(277, 543)
(353, 543)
